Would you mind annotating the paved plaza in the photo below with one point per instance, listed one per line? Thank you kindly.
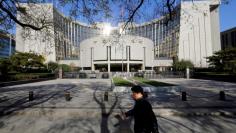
(88, 112)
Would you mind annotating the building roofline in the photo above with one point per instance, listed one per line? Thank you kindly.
(228, 30)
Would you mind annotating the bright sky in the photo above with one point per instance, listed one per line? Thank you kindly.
(228, 15)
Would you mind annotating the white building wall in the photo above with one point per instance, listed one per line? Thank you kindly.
(119, 52)
(85, 56)
(135, 55)
(101, 44)
(195, 42)
(215, 28)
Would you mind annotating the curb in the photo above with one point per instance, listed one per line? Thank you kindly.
(12, 83)
(158, 112)
(202, 114)
(196, 113)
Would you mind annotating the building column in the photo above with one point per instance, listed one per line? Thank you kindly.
(81, 61)
(143, 67)
(108, 56)
(128, 53)
(127, 66)
(144, 58)
(92, 65)
(109, 67)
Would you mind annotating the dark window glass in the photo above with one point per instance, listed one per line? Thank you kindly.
(226, 40)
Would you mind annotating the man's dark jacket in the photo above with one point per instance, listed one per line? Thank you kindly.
(144, 118)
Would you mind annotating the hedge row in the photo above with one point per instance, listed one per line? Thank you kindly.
(26, 76)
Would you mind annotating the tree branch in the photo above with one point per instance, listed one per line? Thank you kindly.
(17, 21)
(169, 4)
(133, 13)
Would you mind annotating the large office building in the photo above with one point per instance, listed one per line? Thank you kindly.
(192, 35)
(228, 38)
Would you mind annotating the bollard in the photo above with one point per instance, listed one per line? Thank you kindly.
(67, 96)
(106, 96)
(222, 95)
(184, 96)
(31, 95)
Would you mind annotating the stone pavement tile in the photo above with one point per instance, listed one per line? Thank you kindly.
(207, 124)
(92, 121)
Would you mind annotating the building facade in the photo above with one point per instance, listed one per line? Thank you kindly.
(228, 38)
(192, 35)
(7, 45)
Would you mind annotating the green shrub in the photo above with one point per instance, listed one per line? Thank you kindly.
(182, 65)
(65, 68)
(5, 66)
(28, 76)
(223, 60)
(53, 66)
(24, 62)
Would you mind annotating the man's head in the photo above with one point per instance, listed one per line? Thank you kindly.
(137, 92)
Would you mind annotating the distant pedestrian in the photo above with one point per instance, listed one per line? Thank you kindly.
(144, 118)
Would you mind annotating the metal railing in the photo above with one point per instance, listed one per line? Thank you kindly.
(148, 75)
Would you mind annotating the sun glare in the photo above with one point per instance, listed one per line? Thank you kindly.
(107, 29)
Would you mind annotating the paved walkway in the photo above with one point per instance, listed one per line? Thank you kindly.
(202, 97)
(87, 112)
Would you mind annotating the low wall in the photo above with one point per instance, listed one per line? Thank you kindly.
(225, 78)
(3, 84)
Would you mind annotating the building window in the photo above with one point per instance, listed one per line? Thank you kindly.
(223, 41)
(226, 40)
(233, 38)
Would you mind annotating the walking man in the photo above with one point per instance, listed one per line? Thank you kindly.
(144, 118)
